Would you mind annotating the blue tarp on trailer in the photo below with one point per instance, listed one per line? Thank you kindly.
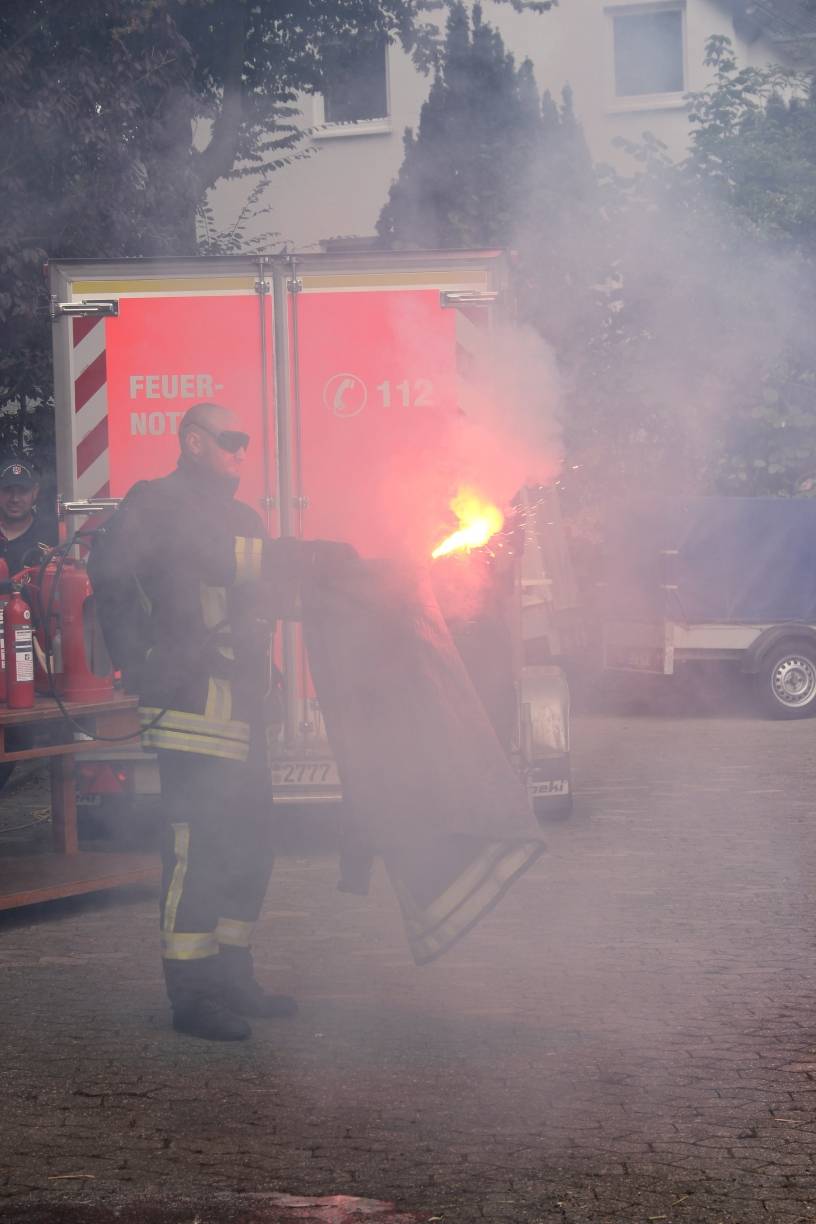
(740, 560)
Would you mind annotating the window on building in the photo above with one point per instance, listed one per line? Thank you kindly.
(355, 83)
(648, 53)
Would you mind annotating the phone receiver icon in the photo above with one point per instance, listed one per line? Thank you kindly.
(343, 387)
(345, 395)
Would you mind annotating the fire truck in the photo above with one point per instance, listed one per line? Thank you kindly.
(347, 371)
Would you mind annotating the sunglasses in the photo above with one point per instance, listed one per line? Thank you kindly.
(231, 440)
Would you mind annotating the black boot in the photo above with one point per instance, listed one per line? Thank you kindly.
(242, 994)
(195, 996)
(210, 1019)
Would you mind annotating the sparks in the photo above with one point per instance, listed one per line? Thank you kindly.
(478, 521)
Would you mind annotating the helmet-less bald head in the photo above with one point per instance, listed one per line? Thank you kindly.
(211, 438)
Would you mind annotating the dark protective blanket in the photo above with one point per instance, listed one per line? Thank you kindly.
(740, 560)
(426, 783)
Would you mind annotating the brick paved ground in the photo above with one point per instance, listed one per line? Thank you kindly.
(630, 1037)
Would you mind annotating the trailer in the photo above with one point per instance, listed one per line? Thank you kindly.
(347, 370)
(727, 579)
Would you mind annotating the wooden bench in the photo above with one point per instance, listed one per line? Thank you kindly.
(65, 870)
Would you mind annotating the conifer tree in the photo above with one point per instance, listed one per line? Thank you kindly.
(465, 168)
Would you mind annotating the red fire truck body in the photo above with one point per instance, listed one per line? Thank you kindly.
(347, 372)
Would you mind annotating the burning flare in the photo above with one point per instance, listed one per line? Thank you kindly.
(478, 521)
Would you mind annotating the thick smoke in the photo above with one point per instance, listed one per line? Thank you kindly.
(508, 435)
(511, 432)
(703, 319)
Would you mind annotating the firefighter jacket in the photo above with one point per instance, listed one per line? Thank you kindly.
(188, 587)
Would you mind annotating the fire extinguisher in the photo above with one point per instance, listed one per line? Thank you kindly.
(18, 635)
(4, 577)
(72, 661)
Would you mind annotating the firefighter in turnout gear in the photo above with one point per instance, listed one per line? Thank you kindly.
(188, 588)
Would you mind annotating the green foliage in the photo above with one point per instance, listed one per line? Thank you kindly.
(754, 144)
(459, 183)
(234, 239)
(562, 267)
(769, 447)
(88, 98)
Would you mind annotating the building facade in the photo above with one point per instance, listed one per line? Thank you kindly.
(629, 64)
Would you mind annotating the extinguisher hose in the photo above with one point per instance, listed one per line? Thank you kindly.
(45, 615)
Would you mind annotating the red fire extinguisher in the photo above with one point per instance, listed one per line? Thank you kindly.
(4, 577)
(72, 660)
(18, 636)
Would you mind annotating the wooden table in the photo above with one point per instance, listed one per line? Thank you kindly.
(67, 870)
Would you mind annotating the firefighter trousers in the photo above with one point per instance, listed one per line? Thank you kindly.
(217, 857)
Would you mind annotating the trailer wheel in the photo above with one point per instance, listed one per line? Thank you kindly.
(786, 681)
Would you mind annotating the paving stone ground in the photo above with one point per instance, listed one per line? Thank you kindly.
(630, 1037)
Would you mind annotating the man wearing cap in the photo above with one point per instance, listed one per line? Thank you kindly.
(23, 528)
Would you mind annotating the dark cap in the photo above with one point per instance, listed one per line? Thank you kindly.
(15, 472)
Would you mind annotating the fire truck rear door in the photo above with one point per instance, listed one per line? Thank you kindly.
(182, 332)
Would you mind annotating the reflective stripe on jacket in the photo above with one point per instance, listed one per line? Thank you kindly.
(192, 570)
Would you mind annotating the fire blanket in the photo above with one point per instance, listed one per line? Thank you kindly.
(426, 783)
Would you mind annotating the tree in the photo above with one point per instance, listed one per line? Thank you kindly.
(753, 145)
(116, 116)
(561, 236)
(459, 183)
(88, 102)
(489, 158)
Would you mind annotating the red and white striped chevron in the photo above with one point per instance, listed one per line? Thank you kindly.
(90, 408)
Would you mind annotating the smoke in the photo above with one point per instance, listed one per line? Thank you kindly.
(702, 321)
(507, 435)
(510, 433)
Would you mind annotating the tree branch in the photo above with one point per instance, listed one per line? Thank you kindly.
(218, 158)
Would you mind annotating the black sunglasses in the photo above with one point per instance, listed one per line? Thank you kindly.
(231, 440)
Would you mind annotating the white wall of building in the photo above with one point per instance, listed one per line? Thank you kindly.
(339, 189)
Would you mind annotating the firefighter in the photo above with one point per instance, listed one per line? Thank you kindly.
(23, 529)
(188, 588)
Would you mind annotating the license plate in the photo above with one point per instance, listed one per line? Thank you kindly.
(305, 773)
(558, 786)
